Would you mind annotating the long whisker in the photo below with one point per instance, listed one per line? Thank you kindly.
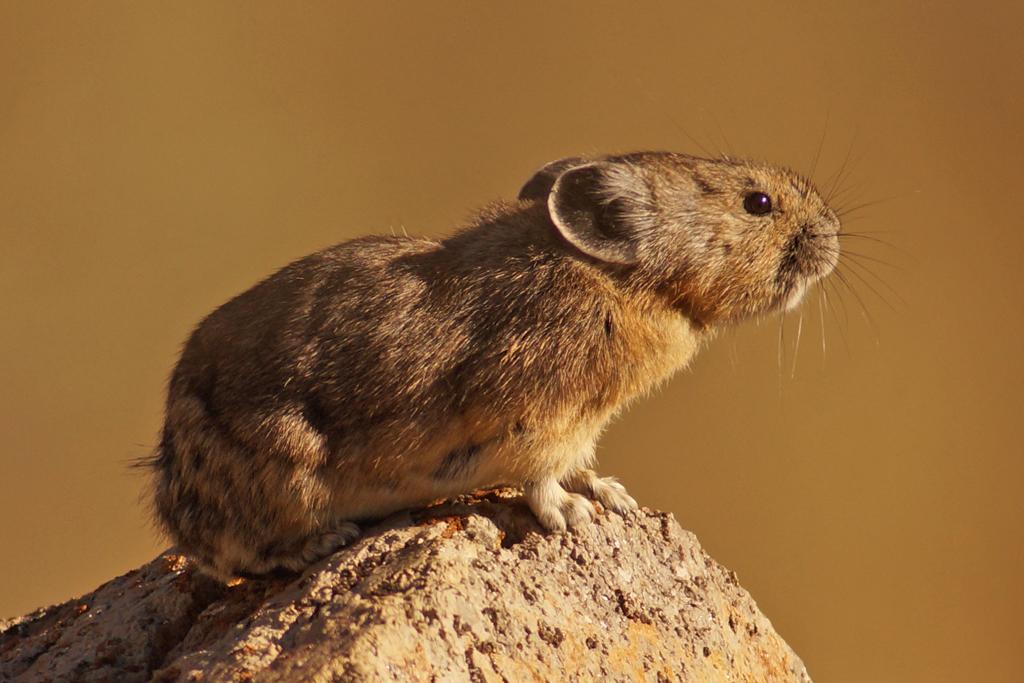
(796, 344)
(781, 346)
(860, 302)
(732, 353)
(855, 235)
(871, 238)
(845, 193)
(843, 211)
(721, 134)
(830, 249)
(664, 110)
(854, 260)
(872, 259)
(821, 321)
(842, 303)
(873, 290)
(840, 174)
(868, 232)
(817, 153)
(840, 324)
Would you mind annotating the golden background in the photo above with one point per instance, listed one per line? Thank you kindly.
(157, 159)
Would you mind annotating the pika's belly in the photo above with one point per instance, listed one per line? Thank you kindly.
(442, 470)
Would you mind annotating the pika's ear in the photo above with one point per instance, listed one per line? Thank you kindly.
(539, 186)
(598, 209)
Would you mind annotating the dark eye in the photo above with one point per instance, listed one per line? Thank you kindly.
(757, 203)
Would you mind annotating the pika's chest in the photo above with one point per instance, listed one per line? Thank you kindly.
(671, 344)
(643, 351)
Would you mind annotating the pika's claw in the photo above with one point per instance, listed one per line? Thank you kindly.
(555, 509)
(612, 495)
(605, 490)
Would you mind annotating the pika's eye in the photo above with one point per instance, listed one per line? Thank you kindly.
(757, 203)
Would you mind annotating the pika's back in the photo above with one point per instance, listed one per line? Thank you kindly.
(385, 323)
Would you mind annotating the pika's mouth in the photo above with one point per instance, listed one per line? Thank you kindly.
(809, 255)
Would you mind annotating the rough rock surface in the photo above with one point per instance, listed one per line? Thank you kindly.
(464, 591)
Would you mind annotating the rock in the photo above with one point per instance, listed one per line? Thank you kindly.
(463, 591)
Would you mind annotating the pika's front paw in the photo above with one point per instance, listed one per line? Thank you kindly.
(605, 490)
(555, 509)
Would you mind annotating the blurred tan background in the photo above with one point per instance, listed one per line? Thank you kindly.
(156, 160)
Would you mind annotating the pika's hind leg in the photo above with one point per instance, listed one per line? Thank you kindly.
(555, 508)
(295, 555)
(605, 490)
(318, 546)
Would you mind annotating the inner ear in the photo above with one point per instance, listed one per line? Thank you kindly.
(539, 186)
(587, 213)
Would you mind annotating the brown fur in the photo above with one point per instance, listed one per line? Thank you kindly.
(386, 372)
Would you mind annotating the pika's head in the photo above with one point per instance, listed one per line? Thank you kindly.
(722, 239)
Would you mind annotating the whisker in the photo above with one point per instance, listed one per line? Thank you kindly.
(840, 174)
(844, 251)
(847, 210)
(821, 145)
(881, 281)
(842, 303)
(870, 232)
(660, 106)
(860, 302)
(854, 219)
(857, 255)
(732, 353)
(721, 134)
(781, 347)
(844, 193)
(873, 290)
(876, 240)
(821, 321)
(796, 344)
(831, 306)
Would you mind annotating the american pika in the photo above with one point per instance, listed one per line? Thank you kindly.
(386, 372)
